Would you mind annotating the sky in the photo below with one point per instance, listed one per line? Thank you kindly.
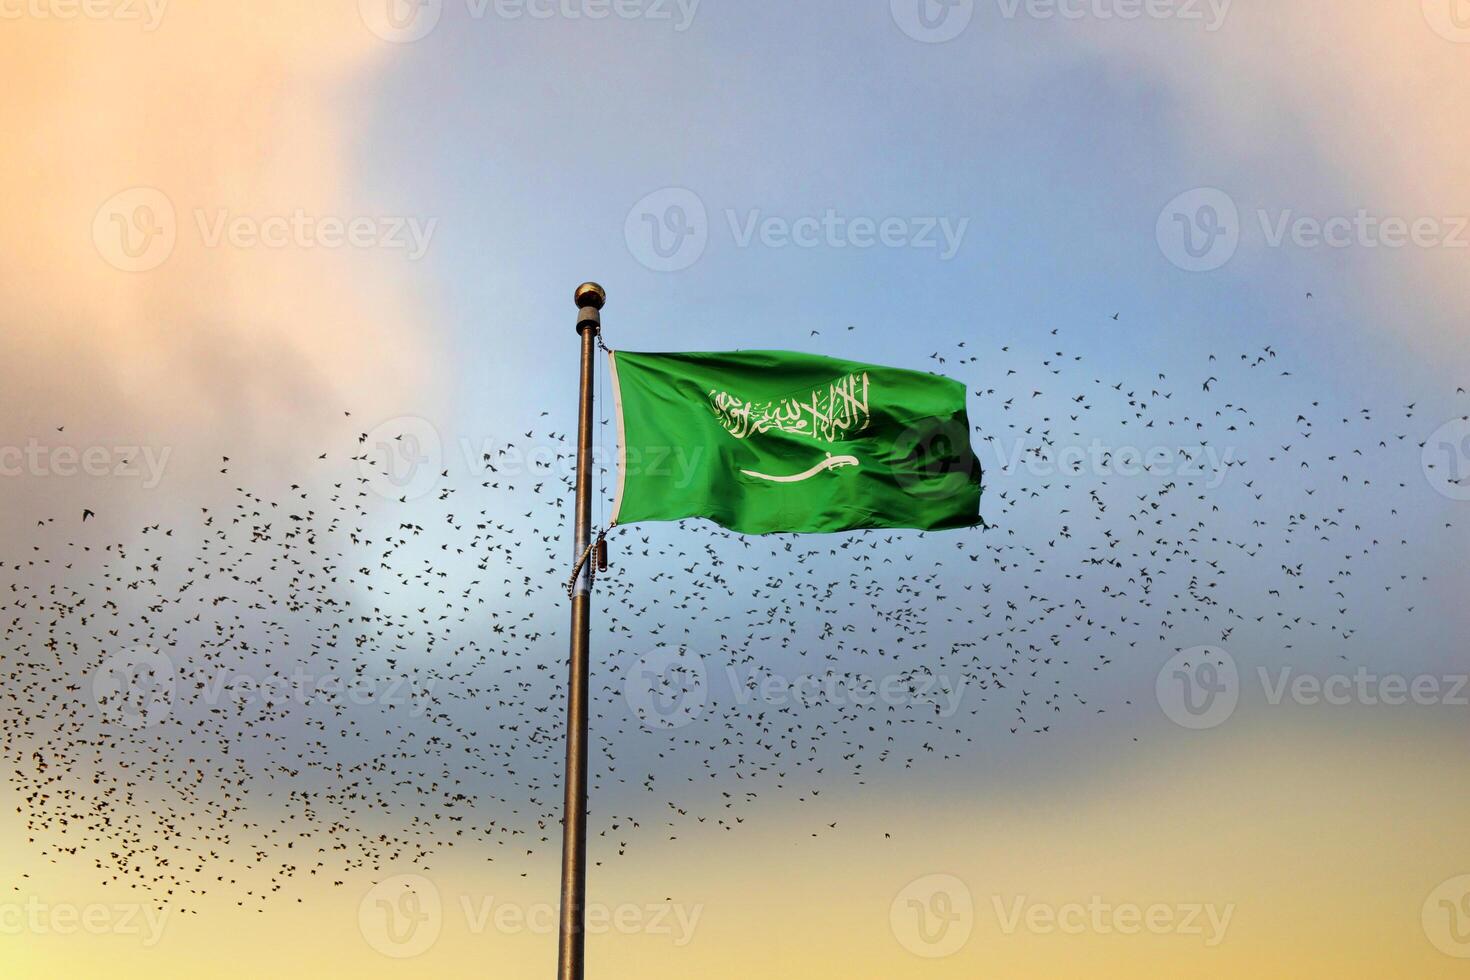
(228, 226)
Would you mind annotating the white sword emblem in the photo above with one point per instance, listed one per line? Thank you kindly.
(830, 463)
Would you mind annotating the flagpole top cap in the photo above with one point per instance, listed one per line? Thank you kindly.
(591, 294)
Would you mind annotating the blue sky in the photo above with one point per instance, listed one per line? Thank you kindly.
(532, 140)
(1061, 152)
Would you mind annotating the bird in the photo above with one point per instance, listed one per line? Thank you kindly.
(302, 677)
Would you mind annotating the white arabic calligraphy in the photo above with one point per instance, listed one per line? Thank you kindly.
(829, 414)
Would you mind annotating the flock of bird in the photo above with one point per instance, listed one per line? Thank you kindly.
(329, 678)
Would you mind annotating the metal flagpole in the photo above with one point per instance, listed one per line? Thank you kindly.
(570, 952)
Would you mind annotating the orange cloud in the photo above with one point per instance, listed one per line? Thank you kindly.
(179, 251)
(1324, 108)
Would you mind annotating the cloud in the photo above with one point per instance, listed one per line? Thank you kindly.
(125, 309)
(1325, 108)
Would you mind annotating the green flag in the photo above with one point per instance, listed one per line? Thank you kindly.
(763, 441)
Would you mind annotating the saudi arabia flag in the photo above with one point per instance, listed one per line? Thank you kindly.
(763, 441)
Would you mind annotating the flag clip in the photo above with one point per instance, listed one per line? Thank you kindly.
(599, 547)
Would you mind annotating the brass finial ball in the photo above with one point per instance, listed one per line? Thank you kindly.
(591, 294)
